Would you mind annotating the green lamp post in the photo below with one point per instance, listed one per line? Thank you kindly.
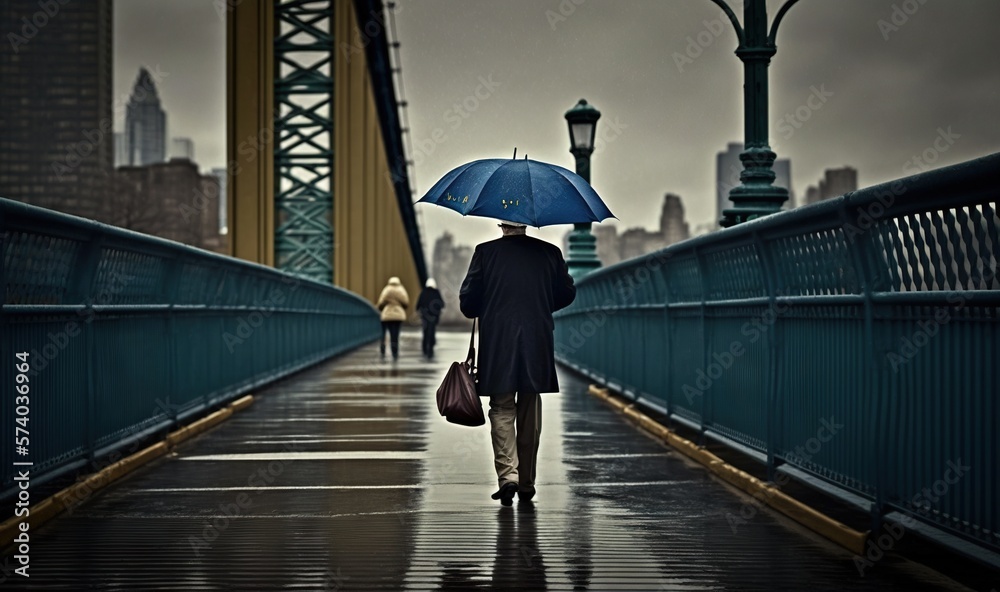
(582, 120)
(756, 195)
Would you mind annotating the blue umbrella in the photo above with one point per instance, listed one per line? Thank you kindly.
(526, 191)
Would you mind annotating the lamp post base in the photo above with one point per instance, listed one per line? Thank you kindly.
(582, 256)
(757, 196)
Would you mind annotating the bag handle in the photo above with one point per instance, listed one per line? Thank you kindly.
(472, 346)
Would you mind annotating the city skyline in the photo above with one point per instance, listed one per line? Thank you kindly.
(856, 82)
(182, 45)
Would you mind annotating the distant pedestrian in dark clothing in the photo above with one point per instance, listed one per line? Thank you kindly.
(429, 305)
(393, 303)
(514, 285)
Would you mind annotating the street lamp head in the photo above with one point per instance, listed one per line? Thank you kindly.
(582, 120)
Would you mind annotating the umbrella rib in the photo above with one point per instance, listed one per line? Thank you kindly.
(458, 174)
(474, 199)
(479, 190)
(531, 193)
(568, 180)
(482, 187)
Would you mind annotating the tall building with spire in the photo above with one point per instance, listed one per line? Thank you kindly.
(56, 136)
(145, 123)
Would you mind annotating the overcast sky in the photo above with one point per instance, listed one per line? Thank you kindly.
(663, 75)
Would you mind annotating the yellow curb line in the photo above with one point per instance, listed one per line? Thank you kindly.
(846, 537)
(51, 507)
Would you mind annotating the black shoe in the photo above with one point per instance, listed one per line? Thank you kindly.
(525, 496)
(506, 494)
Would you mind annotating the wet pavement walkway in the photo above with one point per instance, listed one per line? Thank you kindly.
(344, 477)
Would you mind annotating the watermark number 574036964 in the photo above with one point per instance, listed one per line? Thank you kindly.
(22, 466)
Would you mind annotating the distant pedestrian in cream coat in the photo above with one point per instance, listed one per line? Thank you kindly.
(393, 303)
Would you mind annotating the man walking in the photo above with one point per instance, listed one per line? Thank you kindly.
(514, 285)
(429, 305)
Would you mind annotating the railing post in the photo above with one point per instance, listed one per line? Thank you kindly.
(706, 346)
(81, 290)
(775, 431)
(877, 427)
(169, 290)
(668, 332)
(224, 305)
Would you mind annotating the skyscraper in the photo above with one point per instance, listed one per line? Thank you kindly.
(121, 150)
(450, 262)
(606, 235)
(727, 175)
(835, 182)
(145, 123)
(56, 145)
(673, 227)
(222, 175)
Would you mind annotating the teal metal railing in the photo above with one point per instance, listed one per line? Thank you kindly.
(857, 340)
(128, 334)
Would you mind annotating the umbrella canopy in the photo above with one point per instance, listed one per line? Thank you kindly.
(526, 191)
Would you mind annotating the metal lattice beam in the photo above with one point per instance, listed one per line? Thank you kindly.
(303, 127)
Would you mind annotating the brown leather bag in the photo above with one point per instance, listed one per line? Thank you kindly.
(456, 397)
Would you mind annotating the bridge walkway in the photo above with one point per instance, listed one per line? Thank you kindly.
(344, 477)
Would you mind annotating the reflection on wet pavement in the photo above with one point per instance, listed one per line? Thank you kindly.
(344, 477)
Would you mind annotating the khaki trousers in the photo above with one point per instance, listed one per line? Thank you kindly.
(515, 427)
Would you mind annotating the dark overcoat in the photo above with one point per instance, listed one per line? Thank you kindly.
(514, 285)
(430, 304)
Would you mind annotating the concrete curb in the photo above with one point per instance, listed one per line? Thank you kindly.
(848, 538)
(48, 509)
